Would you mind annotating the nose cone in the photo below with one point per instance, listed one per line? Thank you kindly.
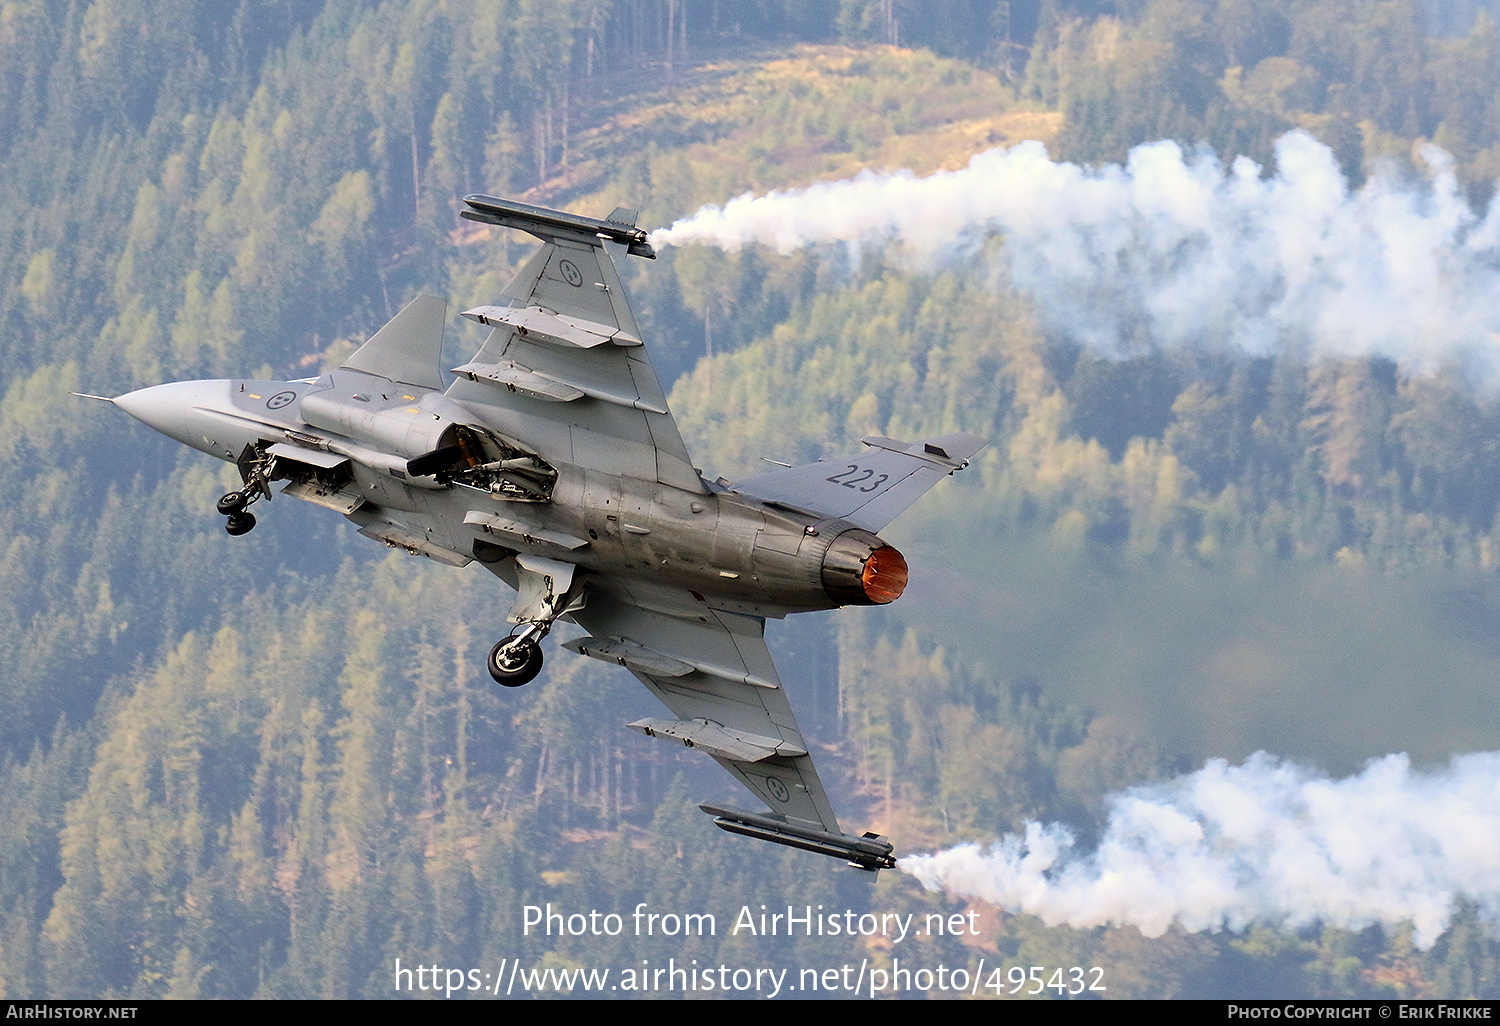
(165, 407)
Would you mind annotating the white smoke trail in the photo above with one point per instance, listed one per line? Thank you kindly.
(1267, 842)
(1181, 251)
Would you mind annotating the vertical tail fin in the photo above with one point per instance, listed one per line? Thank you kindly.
(871, 489)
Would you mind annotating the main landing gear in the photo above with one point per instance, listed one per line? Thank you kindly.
(546, 591)
(518, 659)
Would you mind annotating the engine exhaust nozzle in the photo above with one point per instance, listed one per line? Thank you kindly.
(861, 570)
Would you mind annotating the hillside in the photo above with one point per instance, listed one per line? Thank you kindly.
(271, 769)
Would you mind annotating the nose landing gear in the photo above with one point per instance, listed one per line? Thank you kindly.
(233, 506)
(256, 469)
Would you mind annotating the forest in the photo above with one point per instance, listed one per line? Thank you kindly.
(273, 766)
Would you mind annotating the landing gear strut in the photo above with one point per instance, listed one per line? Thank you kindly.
(256, 468)
(547, 591)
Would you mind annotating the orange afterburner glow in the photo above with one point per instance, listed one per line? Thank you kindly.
(885, 575)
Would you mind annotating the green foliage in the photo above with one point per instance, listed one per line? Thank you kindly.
(270, 770)
(1365, 78)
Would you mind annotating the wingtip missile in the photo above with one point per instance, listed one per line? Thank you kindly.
(870, 852)
(545, 223)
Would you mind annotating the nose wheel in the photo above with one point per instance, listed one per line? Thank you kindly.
(240, 523)
(233, 506)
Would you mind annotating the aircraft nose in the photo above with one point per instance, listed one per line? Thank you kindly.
(165, 407)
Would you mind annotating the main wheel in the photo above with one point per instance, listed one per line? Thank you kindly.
(233, 503)
(240, 523)
(513, 665)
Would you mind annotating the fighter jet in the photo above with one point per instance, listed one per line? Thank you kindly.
(551, 460)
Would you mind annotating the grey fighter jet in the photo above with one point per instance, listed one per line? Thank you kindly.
(551, 459)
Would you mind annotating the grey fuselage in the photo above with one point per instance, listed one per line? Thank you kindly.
(750, 556)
